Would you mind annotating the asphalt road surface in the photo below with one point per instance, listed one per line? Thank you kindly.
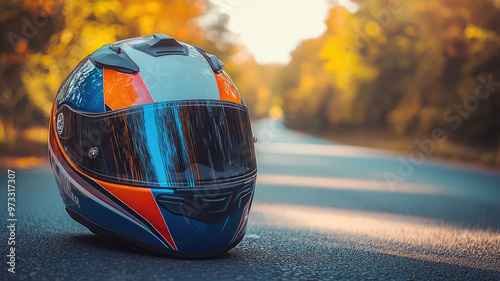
(321, 211)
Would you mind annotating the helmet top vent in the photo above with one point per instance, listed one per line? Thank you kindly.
(162, 45)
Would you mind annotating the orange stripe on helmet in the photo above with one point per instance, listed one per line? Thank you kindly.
(122, 90)
(227, 89)
(141, 200)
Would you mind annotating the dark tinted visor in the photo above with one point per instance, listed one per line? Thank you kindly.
(163, 144)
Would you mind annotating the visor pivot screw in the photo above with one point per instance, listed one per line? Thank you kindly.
(93, 152)
(60, 123)
(254, 138)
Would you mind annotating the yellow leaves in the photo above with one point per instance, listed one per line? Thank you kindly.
(372, 28)
(481, 41)
(94, 35)
(47, 60)
(36, 134)
(103, 8)
(344, 60)
(343, 47)
(152, 7)
(261, 107)
(146, 25)
(340, 58)
(472, 31)
(132, 11)
(75, 15)
(307, 83)
(39, 93)
(3, 134)
(276, 112)
(337, 52)
(66, 36)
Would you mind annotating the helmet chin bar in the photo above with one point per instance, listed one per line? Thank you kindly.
(208, 205)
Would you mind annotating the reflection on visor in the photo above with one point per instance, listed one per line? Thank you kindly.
(164, 144)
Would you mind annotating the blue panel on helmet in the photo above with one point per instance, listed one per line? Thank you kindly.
(194, 236)
(96, 212)
(101, 216)
(84, 89)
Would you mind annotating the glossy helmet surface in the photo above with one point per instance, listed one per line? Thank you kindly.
(151, 144)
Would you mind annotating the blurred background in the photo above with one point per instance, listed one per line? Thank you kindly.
(384, 74)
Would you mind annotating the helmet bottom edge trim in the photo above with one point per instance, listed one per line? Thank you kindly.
(131, 242)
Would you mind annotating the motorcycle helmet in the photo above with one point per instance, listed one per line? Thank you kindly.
(151, 144)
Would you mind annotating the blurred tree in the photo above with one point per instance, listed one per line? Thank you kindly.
(399, 68)
(84, 28)
(47, 39)
(25, 28)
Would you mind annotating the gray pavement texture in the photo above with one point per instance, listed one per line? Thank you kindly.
(321, 211)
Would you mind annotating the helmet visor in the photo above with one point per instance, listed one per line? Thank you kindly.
(163, 144)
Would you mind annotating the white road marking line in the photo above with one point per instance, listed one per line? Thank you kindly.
(324, 150)
(349, 184)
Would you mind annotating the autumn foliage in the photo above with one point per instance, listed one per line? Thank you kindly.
(401, 68)
(397, 68)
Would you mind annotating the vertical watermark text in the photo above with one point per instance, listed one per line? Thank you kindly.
(11, 220)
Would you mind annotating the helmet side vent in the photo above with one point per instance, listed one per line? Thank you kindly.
(112, 57)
